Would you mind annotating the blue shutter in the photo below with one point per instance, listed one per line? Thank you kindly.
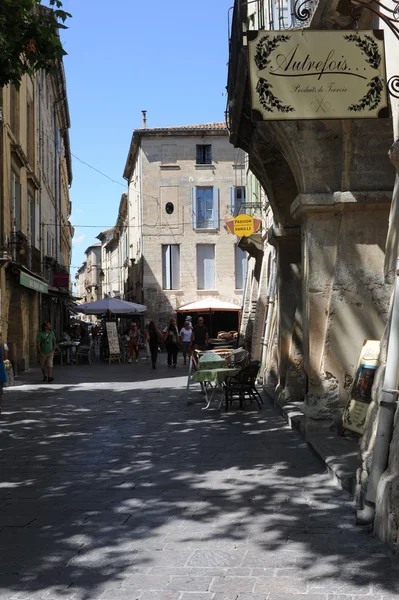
(166, 267)
(232, 200)
(241, 262)
(175, 266)
(215, 208)
(200, 268)
(209, 268)
(194, 206)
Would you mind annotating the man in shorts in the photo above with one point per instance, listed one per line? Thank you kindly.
(45, 346)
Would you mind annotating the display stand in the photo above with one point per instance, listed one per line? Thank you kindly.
(355, 413)
(113, 342)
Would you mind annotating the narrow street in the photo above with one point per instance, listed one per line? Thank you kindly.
(120, 490)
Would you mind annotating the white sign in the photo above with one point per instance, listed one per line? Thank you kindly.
(113, 339)
(317, 75)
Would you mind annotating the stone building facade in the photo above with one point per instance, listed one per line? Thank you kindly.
(329, 185)
(181, 184)
(35, 232)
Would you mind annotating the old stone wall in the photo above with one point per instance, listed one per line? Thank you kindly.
(346, 297)
(174, 183)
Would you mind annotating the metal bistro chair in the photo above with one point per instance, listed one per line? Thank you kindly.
(242, 385)
(84, 350)
(59, 353)
(238, 358)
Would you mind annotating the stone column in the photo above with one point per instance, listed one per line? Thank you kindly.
(291, 379)
(345, 298)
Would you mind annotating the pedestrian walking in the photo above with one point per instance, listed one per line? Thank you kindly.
(185, 339)
(200, 335)
(45, 342)
(154, 338)
(3, 374)
(134, 339)
(94, 334)
(171, 342)
(147, 344)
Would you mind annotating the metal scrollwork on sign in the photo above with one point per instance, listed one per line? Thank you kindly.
(390, 16)
(303, 10)
(393, 86)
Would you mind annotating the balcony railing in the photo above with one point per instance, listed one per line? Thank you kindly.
(285, 14)
(258, 15)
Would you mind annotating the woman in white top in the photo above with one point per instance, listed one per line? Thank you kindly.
(185, 339)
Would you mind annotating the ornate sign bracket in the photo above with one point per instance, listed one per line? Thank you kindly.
(353, 8)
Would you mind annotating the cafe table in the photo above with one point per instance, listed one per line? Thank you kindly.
(212, 372)
(69, 347)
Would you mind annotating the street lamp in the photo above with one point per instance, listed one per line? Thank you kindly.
(101, 277)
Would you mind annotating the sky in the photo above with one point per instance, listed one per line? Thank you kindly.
(169, 58)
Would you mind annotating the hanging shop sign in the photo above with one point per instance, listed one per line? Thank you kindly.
(317, 75)
(61, 280)
(243, 225)
(355, 413)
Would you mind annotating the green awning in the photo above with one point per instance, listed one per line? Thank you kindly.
(32, 283)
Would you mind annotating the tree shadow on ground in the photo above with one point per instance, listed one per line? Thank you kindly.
(122, 486)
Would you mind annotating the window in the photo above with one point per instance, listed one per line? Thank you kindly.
(205, 208)
(237, 198)
(30, 132)
(168, 154)
(171, 267)
(14, 111)
(206, 266)
(16, 224)
(31, 219)
(204, 154)
(241, 261)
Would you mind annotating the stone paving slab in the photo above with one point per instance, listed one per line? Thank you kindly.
(113, 487)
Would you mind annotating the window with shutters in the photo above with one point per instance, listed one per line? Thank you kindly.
(31, 219)
(241, 261)
(30, 132)
(204, 154)
(206, 266)
(15, 206)
(14, 110)
(171, 267)
(205, 208)
(237, 199)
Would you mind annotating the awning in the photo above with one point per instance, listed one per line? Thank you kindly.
(208, 304)
(33, 283)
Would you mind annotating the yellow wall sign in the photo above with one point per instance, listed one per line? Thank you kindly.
(317, 75)
(244, 225)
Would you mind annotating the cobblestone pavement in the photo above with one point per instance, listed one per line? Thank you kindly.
(123, 491)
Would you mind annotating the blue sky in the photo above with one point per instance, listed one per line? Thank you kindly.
(169, 58)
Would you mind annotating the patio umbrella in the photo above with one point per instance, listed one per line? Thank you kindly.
(111, 305)
(208, 304)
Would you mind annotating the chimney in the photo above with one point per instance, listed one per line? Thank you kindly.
(144, 113)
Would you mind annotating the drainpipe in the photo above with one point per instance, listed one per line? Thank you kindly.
(141, 222)
(2, 219)
(244, 297)
(271, 293)
(387, 408)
